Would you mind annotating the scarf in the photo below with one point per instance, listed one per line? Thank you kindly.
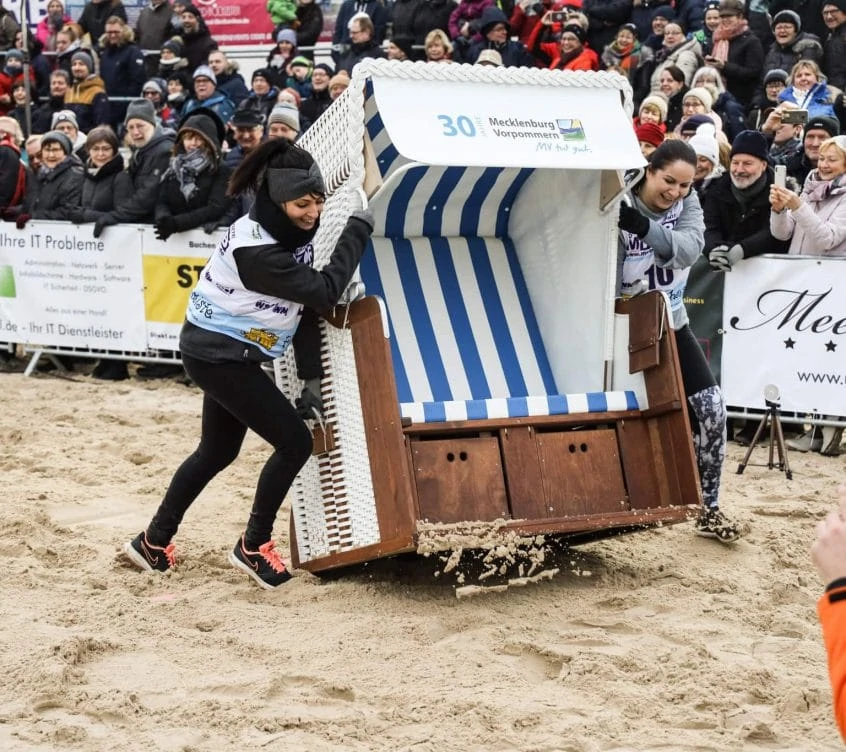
(186, 167)
(745, 196)
(45, 172)
(817, 190)
(626, 58)
(276, 222)
(722, 39)
(568, 57)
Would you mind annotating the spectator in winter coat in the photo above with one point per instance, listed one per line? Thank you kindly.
(791, 43)
(461, 28)
(685, 54)
(673, 88)
(402, 17)
(605, 17)
(766, 99)
(737, 207)
(177, 95)
(432, 15)
(96, 13)
(309, 24)
(319, 101)
(43, 115)
(87, 95)
(8, 28)
(155, 90)
(786, 137)
(284, 122)
(438, 47)
(172, 60)
(625, 53)
(705, 35)
(249, 133)
(193, 188)
(151, 29)
(375, 10)
(363, 44)
(698, 101)
(731, 113)
(228, 80)
(569, 53)
(10, 75)
(69, 42)
(737, 53)
(526, 16)
(652, 110)
(300, 78)
(13, 180)
(51, 25)
(281, 55)
(38, 64)
(708, 166)
(58, 185)
(815, 221)
(816, 132)
(496, 33)
(206, 95)
(121, 66)
(649, 137)
(262, 98)
(810, 14)
(64, 121)
(196, 41)
(834, 16)
(807, 89)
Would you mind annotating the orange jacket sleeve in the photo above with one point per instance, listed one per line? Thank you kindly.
(832, 612)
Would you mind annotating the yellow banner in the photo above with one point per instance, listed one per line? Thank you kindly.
(168, 281)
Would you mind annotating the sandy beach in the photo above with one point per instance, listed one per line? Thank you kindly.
(653, 641)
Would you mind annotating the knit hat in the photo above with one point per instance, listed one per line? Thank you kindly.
(704, 143)
(140, 109)
(694, 121)
(85, 58)
(787, 16)
(702, 94)
(751, 142)
(203, 71)
(839, 4)
(174, 44)
(664, 11)
(777, 74)
(14, 54)
(340, 78)
(659, 102)
(827, 124)
(247, 118)
(64, 116)
(731, 7)
(489, 57)
(629, 27)
(265, 73)
(154, 84)
(712, 5)
(405, 44)
(60, 138)
(102, 133)
(284, 113)
(203, 125)
(328, 69)
(287, 35)
(193, 10)
(301, 61)
(576, 30)
(650, 133)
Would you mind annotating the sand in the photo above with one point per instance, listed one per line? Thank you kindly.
(653, 641)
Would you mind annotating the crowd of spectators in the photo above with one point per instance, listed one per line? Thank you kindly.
(749, 86)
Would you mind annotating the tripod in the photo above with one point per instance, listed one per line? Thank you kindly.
(776, 440)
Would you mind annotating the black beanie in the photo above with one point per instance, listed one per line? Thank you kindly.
(576, 30)
(751, 142)
(827, 124)
(405, 44)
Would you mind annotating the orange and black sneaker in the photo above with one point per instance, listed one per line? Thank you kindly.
(148, 557)
(265, 566)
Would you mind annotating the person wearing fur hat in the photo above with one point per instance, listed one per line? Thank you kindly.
(652, 110)
(649, 138)
(791, 43)
(121, 66)
(625, 53)
(834, 59)
(207, 95)
(228, 80)
(362, 43)
(95, 15)
(197, 42)
(496, 35)
(193, 188)
(87, 95)
(250, 304)
(300, 78)
(320, 99)
(58, 185)
(569, 53)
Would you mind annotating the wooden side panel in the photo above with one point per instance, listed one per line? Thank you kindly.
(582, 474)
(647, 480)
(459, 479)
(523, 473)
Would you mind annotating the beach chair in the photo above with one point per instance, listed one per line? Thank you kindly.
(489, 382)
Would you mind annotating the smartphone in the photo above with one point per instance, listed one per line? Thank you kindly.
(780, 175)
(557, 16)
(794, 117)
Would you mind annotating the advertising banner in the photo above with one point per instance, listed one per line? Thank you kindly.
(60, 286)
(703, 298)
(507, 125)
(171, 269)
(784, 322)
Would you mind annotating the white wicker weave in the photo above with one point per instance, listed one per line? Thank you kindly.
(333, 503)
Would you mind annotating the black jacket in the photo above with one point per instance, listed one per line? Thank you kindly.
(798, 167)
(835, 57)
(10, 162)
(104, 190)
(209, 203)
(726, 224)
(123, 73)
(55, 195)
(94, 15)
(196, 47)
(315, 105)
(358, 52)
(430, 15)
(743, 67)
(604, 18)
(310, 18)
(146, 167)
(804, 47)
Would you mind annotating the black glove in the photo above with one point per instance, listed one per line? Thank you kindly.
(77, 216)
(631, 220)
(210, 227)
(165, 227)
(21, 220)
(309, 404)
(100, 225)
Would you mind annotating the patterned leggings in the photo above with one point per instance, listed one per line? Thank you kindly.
(707, 414)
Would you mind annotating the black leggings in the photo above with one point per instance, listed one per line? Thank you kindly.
(237, 396)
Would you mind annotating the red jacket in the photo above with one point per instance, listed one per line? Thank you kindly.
(587, 59)
(7, 83)
(832, 612)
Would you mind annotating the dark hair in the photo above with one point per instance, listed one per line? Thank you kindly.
(672, 150)
(675, 72)
(277, 153)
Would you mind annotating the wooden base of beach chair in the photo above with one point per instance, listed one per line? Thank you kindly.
(580, 476)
